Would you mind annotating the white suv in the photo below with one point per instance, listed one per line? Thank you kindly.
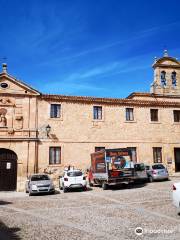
(176, 195)
(72, 179)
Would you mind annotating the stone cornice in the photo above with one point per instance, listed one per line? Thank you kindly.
(8, 139)
(113, 101)
(159, 62)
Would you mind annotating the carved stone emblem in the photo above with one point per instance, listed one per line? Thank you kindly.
(18, 121)
(3, 120)
(4, 101)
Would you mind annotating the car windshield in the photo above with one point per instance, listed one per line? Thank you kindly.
(139, 167)
(74, 174)
(158, 166)
(39, 178)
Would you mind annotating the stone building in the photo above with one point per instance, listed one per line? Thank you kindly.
(44, 133)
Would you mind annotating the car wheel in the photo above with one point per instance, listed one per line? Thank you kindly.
(104, 186)
(64, 190)
(90, 183)
(150, 179)
(61, 187)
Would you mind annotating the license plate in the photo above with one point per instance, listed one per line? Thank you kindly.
(43, 188)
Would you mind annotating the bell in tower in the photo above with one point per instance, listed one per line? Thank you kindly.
(166, 76)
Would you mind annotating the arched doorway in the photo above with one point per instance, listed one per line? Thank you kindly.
(8, 170)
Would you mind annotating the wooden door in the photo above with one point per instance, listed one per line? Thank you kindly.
(177, 159)
(8, 170)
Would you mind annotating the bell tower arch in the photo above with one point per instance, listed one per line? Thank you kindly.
(166, 76)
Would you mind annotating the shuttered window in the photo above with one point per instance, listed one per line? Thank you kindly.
(176, 115)
(129, 114)
(55, 111)
(97, 112)
(54, 155)
(154, 115)
(157, 154)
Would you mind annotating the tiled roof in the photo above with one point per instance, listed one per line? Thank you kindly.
(111, 101)
(146, 94)
(140, 94)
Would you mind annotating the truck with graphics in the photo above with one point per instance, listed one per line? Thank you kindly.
(111, 167)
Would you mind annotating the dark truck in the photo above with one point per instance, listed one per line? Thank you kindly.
(111, 167)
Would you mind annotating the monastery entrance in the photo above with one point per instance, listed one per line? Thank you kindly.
(8, 170)
(177, 159)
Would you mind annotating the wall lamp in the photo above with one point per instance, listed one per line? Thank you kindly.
(48, 129)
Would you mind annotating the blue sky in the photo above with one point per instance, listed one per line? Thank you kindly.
(102, 48)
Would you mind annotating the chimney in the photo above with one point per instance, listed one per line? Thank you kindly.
(165, 53)
(4, 68)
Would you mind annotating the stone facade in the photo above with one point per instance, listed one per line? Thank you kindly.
(25, 115)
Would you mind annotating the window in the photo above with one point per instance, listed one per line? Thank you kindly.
(75, 174)
(55, 110)
(158, 166)
(173, 77)
(97, 112)
(133, 152)
(139, 167)
(147, 167)
(154, 115)
(99, 149)
(176, 115)
(157, 154)
(54, 155)
(4, 85)
(129, 114)
(39, 177)
(163, 78)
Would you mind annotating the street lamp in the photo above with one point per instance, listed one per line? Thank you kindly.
(48, 129)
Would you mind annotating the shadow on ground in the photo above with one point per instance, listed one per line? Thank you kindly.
(125, 186)
(45, 194)
(4, 202)
(79, 189)
(7, 233)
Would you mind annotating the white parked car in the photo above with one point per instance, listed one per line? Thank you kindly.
(72, 179)
(176, 195)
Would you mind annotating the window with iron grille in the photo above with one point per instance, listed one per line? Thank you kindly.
(99, 149)
(97, 112)
(157, 154)
(154, 115)
(55, 111)
(129, 114)
(54, 155)
(176, 115)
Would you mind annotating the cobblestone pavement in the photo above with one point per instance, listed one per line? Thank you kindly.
(95, 214)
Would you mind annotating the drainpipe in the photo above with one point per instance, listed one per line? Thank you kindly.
(27, 167)
(36, 142)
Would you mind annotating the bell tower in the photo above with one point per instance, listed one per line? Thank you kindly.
(166, 76)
